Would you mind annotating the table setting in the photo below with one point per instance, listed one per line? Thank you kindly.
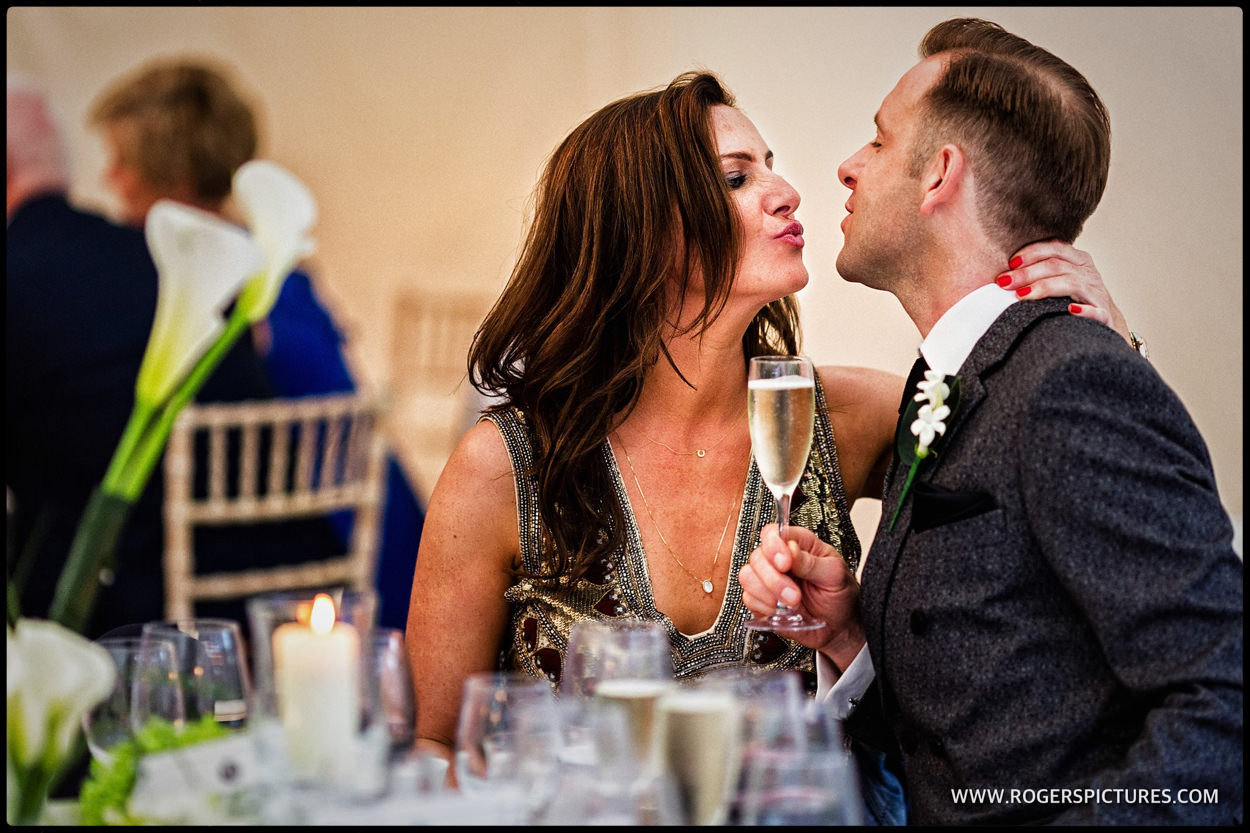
(309, 719)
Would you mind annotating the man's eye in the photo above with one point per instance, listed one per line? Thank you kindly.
(874, 144)
(736, 180)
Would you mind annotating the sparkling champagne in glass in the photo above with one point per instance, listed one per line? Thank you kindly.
(781, 412)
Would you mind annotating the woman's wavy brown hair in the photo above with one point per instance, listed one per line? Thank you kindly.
(630, 202)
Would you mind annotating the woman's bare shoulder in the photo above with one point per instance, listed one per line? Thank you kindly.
(860, 389)
(476, 491)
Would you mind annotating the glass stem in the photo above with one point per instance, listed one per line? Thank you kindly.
(783, 515)
(783, 526)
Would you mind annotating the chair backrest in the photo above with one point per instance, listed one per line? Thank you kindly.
(272, 460)
(429, 397)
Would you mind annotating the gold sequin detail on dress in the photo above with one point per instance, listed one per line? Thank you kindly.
(542, 614)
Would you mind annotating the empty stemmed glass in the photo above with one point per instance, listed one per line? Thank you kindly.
(781, 412)
(148, 686)
(507, 738)
(813, 783)
(213, 666)
(396, 698)
(771, 719)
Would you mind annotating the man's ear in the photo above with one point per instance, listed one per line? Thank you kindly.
(943, 178)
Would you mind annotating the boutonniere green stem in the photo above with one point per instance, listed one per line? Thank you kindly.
(940, 398)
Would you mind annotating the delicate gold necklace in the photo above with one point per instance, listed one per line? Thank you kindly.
(698, 452)
(706, 583)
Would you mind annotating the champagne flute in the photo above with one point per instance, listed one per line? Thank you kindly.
(629, 663)
(699, 741)
(781, 413)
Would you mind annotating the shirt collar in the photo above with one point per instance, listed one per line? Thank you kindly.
(959, 329)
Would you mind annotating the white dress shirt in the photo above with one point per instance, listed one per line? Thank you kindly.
(945, 349)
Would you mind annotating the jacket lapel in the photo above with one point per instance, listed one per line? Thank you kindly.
(988, 354)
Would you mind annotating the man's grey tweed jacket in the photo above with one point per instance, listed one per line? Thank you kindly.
(1058, 609)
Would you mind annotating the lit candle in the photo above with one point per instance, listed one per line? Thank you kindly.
(317, 671)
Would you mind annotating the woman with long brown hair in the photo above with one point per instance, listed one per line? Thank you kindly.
(616, 478)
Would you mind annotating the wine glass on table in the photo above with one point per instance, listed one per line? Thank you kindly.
(813, 783)
(214, 669)
(148, 686)
(507, 740)
(394, 690)
(781, 412)
(629, 663)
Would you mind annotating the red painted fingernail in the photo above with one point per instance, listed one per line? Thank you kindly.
(1024, 290)
(1075, 309)
(1003, 280)
(1015, 262)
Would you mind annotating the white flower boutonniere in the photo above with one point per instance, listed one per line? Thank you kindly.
(940, 395)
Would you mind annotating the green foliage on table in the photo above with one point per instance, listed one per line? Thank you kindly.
(105, 795)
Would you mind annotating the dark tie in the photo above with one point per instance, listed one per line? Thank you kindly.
(909, 390)
(907, 409)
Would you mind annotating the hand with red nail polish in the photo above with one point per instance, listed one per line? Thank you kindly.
(1054, 269)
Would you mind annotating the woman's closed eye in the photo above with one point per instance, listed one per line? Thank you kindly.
(735, 180)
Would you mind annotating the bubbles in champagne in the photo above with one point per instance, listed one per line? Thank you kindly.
(781, 411)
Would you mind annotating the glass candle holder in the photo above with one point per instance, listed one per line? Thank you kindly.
(317, 715)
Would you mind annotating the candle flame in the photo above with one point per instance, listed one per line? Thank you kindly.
(322, 618)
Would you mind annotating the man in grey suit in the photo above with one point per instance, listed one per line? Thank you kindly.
(1052, 607)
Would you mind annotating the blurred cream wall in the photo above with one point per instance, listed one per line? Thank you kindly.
(422, 132)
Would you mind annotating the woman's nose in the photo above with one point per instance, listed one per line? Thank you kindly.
(785, 198)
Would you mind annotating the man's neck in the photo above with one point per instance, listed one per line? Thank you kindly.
(945, 278)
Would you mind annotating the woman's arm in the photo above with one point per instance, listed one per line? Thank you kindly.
(863, 407)
(1054, 269)
(457, 613)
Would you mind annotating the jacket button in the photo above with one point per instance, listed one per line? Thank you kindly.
(918, 622)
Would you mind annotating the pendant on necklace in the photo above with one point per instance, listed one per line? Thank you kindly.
(701, 453)
(707, 586)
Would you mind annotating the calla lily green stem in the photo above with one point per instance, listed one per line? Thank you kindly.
(109, 508)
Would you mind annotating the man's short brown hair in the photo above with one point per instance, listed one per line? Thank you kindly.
(1037, 136)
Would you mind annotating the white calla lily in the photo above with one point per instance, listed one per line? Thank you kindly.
(202, 261)
(54, 676)
(280, 211)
